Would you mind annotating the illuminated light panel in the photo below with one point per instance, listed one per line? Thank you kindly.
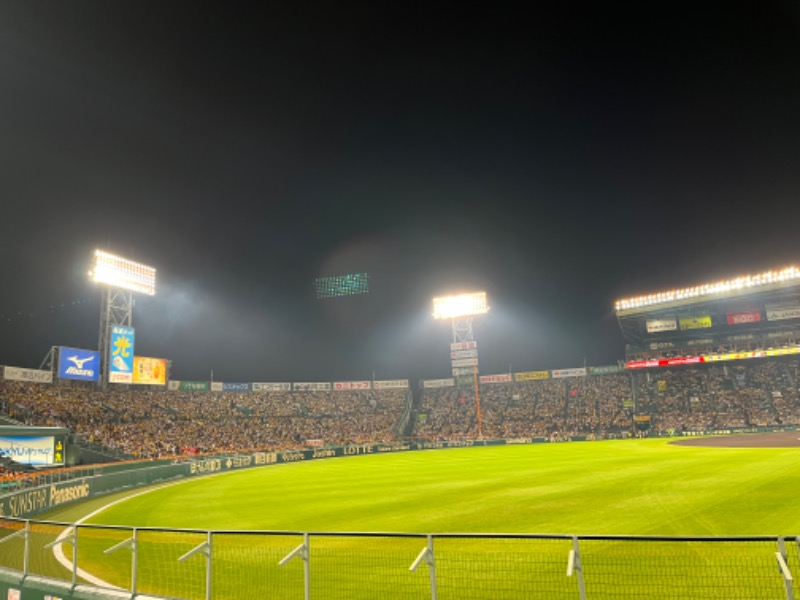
(342, 285)
(123, 273)
(460, 305)
(708, 289)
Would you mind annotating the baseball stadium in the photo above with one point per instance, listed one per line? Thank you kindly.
(672, 473)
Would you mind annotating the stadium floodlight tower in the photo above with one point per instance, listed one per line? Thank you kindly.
(461, 309)
(121, 278)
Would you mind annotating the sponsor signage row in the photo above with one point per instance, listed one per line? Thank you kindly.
(286, 386)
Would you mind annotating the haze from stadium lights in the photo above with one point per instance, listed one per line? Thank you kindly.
(708, 289)
(123, 273)
(460, 305)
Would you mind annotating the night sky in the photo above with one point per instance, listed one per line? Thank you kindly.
(559, 158)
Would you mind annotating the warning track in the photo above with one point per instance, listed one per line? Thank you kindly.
(783, 439)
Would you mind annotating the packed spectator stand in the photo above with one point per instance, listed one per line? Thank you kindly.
(156, 423)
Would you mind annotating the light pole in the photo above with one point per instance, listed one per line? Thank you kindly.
(460, 309)
(121, 278)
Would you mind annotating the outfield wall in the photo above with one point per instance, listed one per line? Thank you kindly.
(33, 501)
(30, 502)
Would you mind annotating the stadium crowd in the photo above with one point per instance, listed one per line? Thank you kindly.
(150, 423)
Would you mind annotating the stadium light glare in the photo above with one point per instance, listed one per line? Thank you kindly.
(460, 305)
(743, 282)
(122, 273)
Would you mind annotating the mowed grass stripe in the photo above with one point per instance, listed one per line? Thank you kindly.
(617, 487)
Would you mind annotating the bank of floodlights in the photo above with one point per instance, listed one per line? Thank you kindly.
(744, 282)
(122, 273)
(460, 305)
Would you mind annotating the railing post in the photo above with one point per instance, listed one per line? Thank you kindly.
(25, 534)
(302, 552)
(27, 556)
(72, 539)
(426, 556)
(575, 565)
(788, 581)
(205, 550)
(131, 544)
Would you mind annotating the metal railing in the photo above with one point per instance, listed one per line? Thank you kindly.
(181, 563)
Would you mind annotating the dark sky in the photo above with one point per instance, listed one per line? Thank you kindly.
(559, 158)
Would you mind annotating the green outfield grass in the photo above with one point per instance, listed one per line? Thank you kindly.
(633, 487)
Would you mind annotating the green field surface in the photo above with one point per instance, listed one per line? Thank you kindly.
(627, 487)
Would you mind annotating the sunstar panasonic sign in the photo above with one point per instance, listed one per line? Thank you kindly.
(74, 363)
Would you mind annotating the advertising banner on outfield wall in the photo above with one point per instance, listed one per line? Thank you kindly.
(780, 312)
(279, 386)
(31, 375)
(698, 322)
(438, 383)
(387, 384)
(531, 375)
(149, 371)
(351, 385)
(659, 325)
(312, 386)
(74, 363)
(215, 386)
(120, 354)
(501, 378)
(579, 372)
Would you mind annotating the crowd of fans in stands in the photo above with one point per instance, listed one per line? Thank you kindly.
(149, 423)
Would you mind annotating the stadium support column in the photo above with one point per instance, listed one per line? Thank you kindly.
(116, 308)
